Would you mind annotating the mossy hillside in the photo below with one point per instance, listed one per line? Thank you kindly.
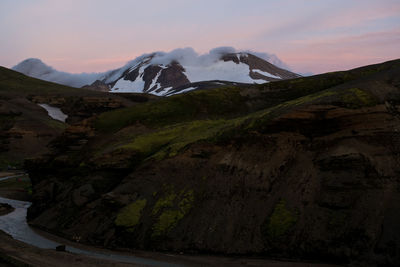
(357, 98)
(130, 215)
(169, 210)
(348, 98)
(170, 140)
(228, 102)
(280, 222)
(257, 120)
(55, 124)
(206, 104)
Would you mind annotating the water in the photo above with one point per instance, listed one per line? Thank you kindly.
(15, 224)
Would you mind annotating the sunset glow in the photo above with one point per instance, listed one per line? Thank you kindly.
(92, 36)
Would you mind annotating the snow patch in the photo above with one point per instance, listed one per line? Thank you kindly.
(183, 91)
(127, 86)
(154, 81)
(54, 112)
(266, 74)
(221, 70)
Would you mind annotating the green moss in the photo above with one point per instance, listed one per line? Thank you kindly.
(356, 98)
(280, 222)
(258, 119)
(55, 124)
(164, 202)
(130, 215)
(169, 141)
(197, 105)
(170, 209)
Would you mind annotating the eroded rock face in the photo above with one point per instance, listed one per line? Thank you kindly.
(292, 189)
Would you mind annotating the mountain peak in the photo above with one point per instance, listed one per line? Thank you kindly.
(33, 67)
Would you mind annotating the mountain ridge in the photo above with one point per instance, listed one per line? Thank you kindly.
(162, 73)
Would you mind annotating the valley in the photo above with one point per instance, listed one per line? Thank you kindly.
(303, 169)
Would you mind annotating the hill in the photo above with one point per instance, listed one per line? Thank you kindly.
(305, 169)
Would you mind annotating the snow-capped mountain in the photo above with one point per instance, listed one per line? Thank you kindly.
(160, 73)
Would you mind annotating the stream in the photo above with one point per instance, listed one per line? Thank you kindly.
(15, 224)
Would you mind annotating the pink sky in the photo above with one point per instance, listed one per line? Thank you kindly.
(98, 35)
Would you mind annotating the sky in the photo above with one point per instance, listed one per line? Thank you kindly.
(310, 36)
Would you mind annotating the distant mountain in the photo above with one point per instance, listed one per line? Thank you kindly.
(35, 68)
(168, 73)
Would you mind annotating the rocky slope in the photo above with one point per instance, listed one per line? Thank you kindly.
(304, 169)
(167, 73)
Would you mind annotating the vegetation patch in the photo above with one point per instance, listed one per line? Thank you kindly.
(280, 222)
(169, 141)
(258, 119)
(170, 209)
(356, 98)
(55, 124)
(197, 105)
(130, 215)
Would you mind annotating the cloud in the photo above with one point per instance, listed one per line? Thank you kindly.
(189, 57)
(36, 68)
